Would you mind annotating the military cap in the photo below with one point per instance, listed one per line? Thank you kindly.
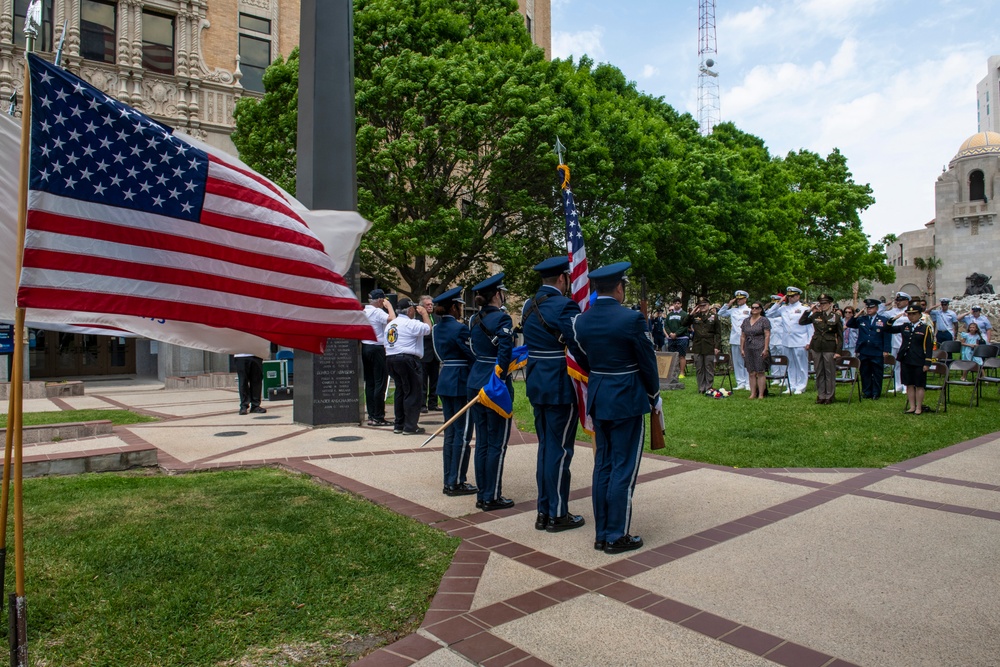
(825, 298)
(741, 294)
(902, 295)
(494, 282)
(977, 308)
(792, 290)
(703, 302)
(454, 295)
(552, 266)
(945, 300)
(611, 273)
(872, 303)
(914, 309)
(777, 297)
(403, 304)
(376, 294)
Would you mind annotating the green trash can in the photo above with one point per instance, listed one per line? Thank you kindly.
(275, 375)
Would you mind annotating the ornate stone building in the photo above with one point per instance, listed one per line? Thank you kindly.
(183, 62)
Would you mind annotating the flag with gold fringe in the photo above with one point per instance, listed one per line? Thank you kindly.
(496, 397)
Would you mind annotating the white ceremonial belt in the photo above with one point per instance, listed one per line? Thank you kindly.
(554, 354)
(486, 360)
(631, 372)
(454, 362)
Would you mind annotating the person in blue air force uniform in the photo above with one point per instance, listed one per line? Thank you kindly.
(451, 344)
(623, 387)
(873, 344)
(547, 320)
(491, 332)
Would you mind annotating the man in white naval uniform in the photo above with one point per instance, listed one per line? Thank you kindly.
(737, 311)
(777, 333)
(899, 307)
(797, 337)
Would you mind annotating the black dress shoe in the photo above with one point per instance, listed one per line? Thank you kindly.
(423, 411)
(435, 408)
(416, 431)
(258, 410)
(243, 411)
(479, 504)
(622, 544)
(541, 521)
(599, 545)
(565, 522)
(500, 503)
(463, 489)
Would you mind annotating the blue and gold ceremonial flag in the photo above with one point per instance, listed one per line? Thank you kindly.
(496, 397)
(518, 358)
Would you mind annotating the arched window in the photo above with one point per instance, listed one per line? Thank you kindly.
(977, 186)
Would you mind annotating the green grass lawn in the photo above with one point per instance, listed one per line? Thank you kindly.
(117, 417)
(255, 567)
(794, 432)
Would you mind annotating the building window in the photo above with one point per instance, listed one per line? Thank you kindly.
(157, 43)
(44, 40)
(97, 30)
(255, 50)
(977, 186)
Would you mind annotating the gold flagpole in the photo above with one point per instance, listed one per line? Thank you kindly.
(452, 420)
(18, 625)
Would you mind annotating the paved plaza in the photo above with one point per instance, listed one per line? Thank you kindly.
(806, 568)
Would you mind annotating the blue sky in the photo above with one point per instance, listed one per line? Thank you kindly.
(891, 83)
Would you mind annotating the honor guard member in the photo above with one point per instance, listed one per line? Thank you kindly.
(451, 344)
(873, 344)
(705, 342)
(797, 337)
(826, 343)
(492, 342)
(623, 386)
(915, 355)
(736, 311)
(404, 351)
(548, 329)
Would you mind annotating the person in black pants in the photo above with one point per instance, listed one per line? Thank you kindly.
(250, 380)
(404, 349)
(431, 364)
(873, 344)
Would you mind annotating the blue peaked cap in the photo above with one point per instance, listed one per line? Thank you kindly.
(454, 294)
(611, 272)
(552, 266)
(493, 282)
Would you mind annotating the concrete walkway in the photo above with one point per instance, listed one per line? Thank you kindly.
(806, 568)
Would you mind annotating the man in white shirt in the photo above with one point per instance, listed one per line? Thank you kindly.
(737, 311)
(901, 302)
(404, 353)
(797, 337)
(379, 313)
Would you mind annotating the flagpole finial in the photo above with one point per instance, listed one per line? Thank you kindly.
(33, 20)
(559, 149)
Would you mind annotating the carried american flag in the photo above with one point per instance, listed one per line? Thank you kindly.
(579, 288)
(125, 217)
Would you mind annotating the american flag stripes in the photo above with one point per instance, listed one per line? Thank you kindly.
(579, 288)
(125, 217)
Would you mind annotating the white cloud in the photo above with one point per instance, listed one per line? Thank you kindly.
(648, 71)
(583, 42)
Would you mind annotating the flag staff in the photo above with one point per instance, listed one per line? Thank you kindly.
(17, 611)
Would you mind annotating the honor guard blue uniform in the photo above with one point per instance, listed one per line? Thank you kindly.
(623, 385)
(873, 343)
(451, 344)
(491, 332)
(547, 320)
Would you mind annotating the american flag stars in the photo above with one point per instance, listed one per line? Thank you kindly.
(103, 152)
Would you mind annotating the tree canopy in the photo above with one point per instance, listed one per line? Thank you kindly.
(457, 114)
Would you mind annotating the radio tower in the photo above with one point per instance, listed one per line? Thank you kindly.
(709, 113)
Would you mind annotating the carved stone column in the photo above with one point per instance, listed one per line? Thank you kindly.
(7, 21)
(135, 9)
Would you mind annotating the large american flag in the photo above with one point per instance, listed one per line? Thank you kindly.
(125, 217)
(579, 288)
